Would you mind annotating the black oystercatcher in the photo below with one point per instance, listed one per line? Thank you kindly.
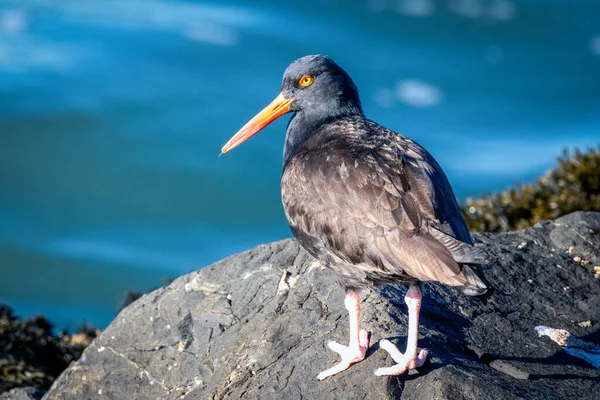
(368, 203)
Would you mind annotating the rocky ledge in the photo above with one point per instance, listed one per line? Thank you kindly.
(255, 326)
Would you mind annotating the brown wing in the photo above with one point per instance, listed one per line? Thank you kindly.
(376, 207)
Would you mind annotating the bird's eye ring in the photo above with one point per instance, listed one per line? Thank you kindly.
(306, 80)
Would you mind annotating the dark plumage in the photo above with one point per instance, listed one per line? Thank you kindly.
(370, 204)
(375, 207)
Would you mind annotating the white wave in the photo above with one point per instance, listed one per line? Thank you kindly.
(22, 50)
(416, 8)
(13, 22)
(118, 253)
(18, 54)
(502, 10)
(467, 8)
(417, 93)
(212, 34)
(214, 24)
(498, 10)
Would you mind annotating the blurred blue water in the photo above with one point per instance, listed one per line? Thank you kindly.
(112, 115)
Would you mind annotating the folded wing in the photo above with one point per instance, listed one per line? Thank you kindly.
(386, 208)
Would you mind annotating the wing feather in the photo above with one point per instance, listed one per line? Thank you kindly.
(379, 209)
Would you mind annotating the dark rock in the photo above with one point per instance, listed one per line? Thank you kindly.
(255, 326)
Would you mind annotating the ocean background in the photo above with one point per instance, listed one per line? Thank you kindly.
(113, 114)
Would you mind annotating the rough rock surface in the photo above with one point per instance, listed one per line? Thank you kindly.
(255, 326)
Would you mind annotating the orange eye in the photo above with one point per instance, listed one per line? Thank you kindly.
(306, 80)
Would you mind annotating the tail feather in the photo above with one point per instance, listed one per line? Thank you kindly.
(475, 285)
(462, 252)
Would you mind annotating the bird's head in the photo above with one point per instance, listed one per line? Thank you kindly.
(312, 85)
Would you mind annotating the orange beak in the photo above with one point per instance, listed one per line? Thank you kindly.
(270, 113)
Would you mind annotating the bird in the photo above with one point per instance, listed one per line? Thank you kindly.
(371, 205)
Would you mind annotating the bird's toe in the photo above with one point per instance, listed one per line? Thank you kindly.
(404, 361)
(349, 355)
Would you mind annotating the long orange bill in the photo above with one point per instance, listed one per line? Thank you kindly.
(270, 113)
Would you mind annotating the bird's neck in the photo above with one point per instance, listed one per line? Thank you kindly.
(303, 126)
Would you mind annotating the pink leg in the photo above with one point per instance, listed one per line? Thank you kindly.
(408, 360)
(359, 340)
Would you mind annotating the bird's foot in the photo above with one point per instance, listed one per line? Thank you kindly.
(404, 361)
(350, 355)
